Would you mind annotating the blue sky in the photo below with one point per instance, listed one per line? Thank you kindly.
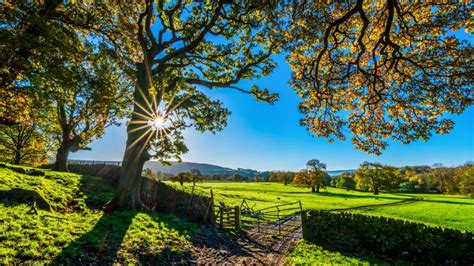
(268, 137)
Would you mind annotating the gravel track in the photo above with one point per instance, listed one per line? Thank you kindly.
(259, 246)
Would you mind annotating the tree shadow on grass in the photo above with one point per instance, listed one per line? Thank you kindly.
(357, 196)
(448, 202)
(100, 244)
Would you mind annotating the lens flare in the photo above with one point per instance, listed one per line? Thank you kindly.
(158, 123)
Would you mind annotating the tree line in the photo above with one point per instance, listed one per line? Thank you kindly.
(373, 177)
(70, 69)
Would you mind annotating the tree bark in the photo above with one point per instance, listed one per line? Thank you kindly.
(312, 189)
(376, 190)
(136, 152)
(61, 158)
(17, 159)
(317, 188)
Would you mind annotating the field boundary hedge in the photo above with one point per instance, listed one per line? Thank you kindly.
(388, 238)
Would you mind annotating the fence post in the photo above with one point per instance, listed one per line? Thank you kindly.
(212, 210)
(237, 218)
(221, 217)
(303, 223)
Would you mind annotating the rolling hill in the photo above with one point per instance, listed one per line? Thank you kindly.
(210, 169)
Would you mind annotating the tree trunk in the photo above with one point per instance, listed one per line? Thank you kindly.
(376, 190)
(61, 158)
(17, 159)
(136, 154)
(312, 189)
(317, 188)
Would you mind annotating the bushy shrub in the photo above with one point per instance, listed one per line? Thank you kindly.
(389, 238)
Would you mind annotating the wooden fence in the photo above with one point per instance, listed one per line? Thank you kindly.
(158, 196)
(228, 217)
(244, 217)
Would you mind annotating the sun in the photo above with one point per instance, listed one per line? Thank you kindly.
(158, 123)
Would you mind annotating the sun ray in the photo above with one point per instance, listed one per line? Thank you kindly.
(139, 138)
(145, 110)
(138, 128)
(147, 102)
(143, 115)
(170, 102)
(177, 105)
(139, 122)
(143, 147)
(155, 103)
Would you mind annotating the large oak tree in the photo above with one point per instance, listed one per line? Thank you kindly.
(187, 46)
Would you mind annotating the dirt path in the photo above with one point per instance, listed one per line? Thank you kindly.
(261, 245)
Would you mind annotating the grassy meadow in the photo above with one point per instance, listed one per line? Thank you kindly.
(77, 230)
(451, 211)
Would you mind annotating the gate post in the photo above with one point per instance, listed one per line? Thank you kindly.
(237, 218)
(303, 223)
(221, 217)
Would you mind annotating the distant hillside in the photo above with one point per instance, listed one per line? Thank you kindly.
(338, 172)
(210, 169)
(205, 169)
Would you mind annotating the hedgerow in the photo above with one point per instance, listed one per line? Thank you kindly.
(388, 238)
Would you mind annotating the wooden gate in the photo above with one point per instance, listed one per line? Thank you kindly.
(228, 217)
(277, 219)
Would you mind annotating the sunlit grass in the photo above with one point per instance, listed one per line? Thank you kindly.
(75, 234)
(439, 210)
(306, 253)
(451, 211)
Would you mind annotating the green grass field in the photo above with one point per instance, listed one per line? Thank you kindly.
(78, 228)
(76, 231)
(450, 211)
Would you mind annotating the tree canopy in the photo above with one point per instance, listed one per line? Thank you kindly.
(382, 70)
(375, 176)
(314, 176)
(23, 144)
(40, 34)
(385, 69)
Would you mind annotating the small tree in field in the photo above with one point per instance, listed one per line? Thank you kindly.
(196, 176)
(282, 176)
(345, 181)
(375, 176)
(23, 144)
(181, 178)
(302, 179)
(316, 171)
(313, 176)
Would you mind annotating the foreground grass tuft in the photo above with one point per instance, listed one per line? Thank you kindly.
(306, 253)
(78, 231)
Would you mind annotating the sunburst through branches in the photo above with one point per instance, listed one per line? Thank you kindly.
(155, 119)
